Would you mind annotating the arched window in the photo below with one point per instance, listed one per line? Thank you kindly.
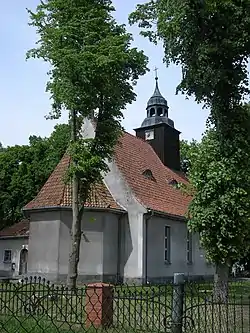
(152, 112)
(160, 112)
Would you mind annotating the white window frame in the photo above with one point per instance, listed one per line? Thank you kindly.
(7, 261)
(189, 247)
(167, 248)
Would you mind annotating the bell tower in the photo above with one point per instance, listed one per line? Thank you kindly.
(159, 131)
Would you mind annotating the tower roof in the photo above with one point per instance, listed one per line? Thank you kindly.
(157, 99)
(157, 109)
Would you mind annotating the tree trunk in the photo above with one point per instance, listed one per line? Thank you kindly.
(76, 219)
(75, 237)
(220, 293)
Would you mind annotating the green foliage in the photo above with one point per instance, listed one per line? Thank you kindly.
(93, 70)
(187, 151)
(220, 209)
(211, 41)
(25, 169)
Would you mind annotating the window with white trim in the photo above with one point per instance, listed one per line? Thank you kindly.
(7, 256)
(189, 247)
(167, 244)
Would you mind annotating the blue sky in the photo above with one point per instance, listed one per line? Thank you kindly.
(24, 103)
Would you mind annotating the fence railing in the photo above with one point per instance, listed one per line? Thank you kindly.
(34, 305)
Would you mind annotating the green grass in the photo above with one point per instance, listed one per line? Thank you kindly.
(21, 325)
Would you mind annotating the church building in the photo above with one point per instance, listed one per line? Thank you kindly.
(134, 227)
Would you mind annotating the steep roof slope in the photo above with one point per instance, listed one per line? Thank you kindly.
(133, 157)
(55, 193)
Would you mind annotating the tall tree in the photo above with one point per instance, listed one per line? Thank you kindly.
(25, 169)
(210, 39)
(93, 69)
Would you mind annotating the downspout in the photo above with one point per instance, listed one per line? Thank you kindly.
(148, 216)
(118, 268)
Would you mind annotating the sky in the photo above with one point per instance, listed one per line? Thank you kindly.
(24, 102)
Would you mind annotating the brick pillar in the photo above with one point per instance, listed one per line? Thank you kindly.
(99, 305)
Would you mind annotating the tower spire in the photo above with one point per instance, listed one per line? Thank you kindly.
(157, 91)
(156, 73)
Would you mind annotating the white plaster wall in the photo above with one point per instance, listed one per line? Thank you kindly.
(133, 228)
(99, 244)
(157, 268)
(15, 245)
(132, 242)
(44, 244)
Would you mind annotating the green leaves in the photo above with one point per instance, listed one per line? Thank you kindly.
(210, 40)
(93, 70)
(25, 169)
(90, 55)
(220, 208)
(188, 150)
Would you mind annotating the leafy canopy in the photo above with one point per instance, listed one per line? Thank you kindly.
(187, 151)
(93, 70)
(25, 169)
(210, 40)
(219, 211)
(198, 35)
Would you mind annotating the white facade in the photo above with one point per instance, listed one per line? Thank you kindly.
(16, 247)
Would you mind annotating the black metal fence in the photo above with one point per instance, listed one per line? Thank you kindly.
(35, 305)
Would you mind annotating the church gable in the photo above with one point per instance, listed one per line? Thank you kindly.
(55, 193)
(149, 166)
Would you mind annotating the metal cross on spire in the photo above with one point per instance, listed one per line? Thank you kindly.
(156, 73)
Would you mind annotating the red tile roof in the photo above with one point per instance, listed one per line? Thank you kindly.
(133, 156)
(55, 193)
(18, 229)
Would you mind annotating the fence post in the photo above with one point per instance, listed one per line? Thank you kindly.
(99, 305)
(178, 303)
